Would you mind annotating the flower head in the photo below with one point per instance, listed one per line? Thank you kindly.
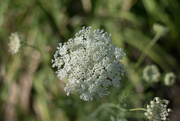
(151, 73)
(14, 43)
(157, 110)
(159, 29)
(90, 63)
(169, 79)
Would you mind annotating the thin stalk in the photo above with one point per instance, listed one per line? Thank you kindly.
(122, 109)
(113, 106)
(34, 47)
(137, 109)
(149, 46)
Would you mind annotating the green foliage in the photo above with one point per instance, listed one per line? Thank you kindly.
(29, 88)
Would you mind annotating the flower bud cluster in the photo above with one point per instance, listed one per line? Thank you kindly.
(90, 63)
(157, 109)
(169, 79)
(151, 73)
(159, 29)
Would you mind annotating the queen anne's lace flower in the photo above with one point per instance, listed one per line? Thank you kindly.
(90, 63)
(169, 79)
(14, 43)
(157, 110)
(151, 73)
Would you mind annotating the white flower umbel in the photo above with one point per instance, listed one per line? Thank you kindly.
(169, 79)
(90, 63)
(157, 110)
(14, 43)
(151, 73)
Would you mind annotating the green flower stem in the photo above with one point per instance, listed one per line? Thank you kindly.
(137, 109)
(149, 46)
(113, 106)
(33, 47)
(122, 109)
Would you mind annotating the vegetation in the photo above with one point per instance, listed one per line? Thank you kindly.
(29, 87)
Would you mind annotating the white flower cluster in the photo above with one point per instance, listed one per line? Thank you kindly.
(151, 73)
(14, 43)
(90, 63)
(157, 110)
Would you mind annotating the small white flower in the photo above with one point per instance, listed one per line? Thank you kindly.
(14, 43)
(169, 79)
(157, 110)
(159, 29)
(151, 73)
(90, 63)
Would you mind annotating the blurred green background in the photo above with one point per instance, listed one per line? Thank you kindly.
(29, 88)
